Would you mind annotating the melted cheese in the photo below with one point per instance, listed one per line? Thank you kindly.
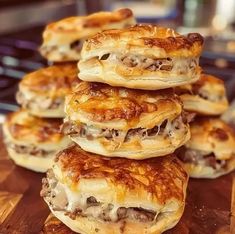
(178, 64)
(79, 200)
(113, 213)
(74, 199)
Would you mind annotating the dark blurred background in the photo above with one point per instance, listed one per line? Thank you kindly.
(22, 23)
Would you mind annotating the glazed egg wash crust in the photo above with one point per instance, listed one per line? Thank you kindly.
(94, 194)
(32, 142)
(120, 122)
(205, 97)
(62, 40)
(42, 92)
(141, 57)
(210, 152)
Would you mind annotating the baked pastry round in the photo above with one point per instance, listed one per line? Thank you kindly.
(32, 142)
(205, 97)
(141, 57)
(42, 92)
(62, 40)
(229, 115)
(95, 194)
(120, 122)
(210, 152)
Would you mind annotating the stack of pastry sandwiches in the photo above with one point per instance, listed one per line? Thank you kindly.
(210, 152)
(32, 134)
(122, 176)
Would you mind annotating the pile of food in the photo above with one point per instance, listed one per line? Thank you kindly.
(120, 121)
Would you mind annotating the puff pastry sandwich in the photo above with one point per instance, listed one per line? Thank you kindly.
(43, 92)
(93, 194)
(62, 40)
(115, 121)
(210, 152)
(205, 97)
(32, 142)
(141, 57)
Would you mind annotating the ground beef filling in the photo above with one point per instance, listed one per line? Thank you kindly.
(89, 132)
(58, 201)
(45, 103)
(164, 64)
(154, 64)
(200, 158)
(32, 150)
(76, 45)
(204, 94)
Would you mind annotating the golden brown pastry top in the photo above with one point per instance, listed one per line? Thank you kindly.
(53, 81)
(96, 20)
(212, 128)
(209, 83)
(23, 126)
(207, 78)
(148, 36)
(212, 135)
(162, 177)
(103, 103)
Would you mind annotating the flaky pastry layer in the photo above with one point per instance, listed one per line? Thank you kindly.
(205, 97)
(154, 189)
(24, 129)
(120, 108)
(212, 135)
(63, 39)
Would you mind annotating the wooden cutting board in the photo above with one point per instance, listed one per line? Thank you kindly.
(210, 205)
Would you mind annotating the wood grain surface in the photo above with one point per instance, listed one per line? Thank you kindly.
(210, 205)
